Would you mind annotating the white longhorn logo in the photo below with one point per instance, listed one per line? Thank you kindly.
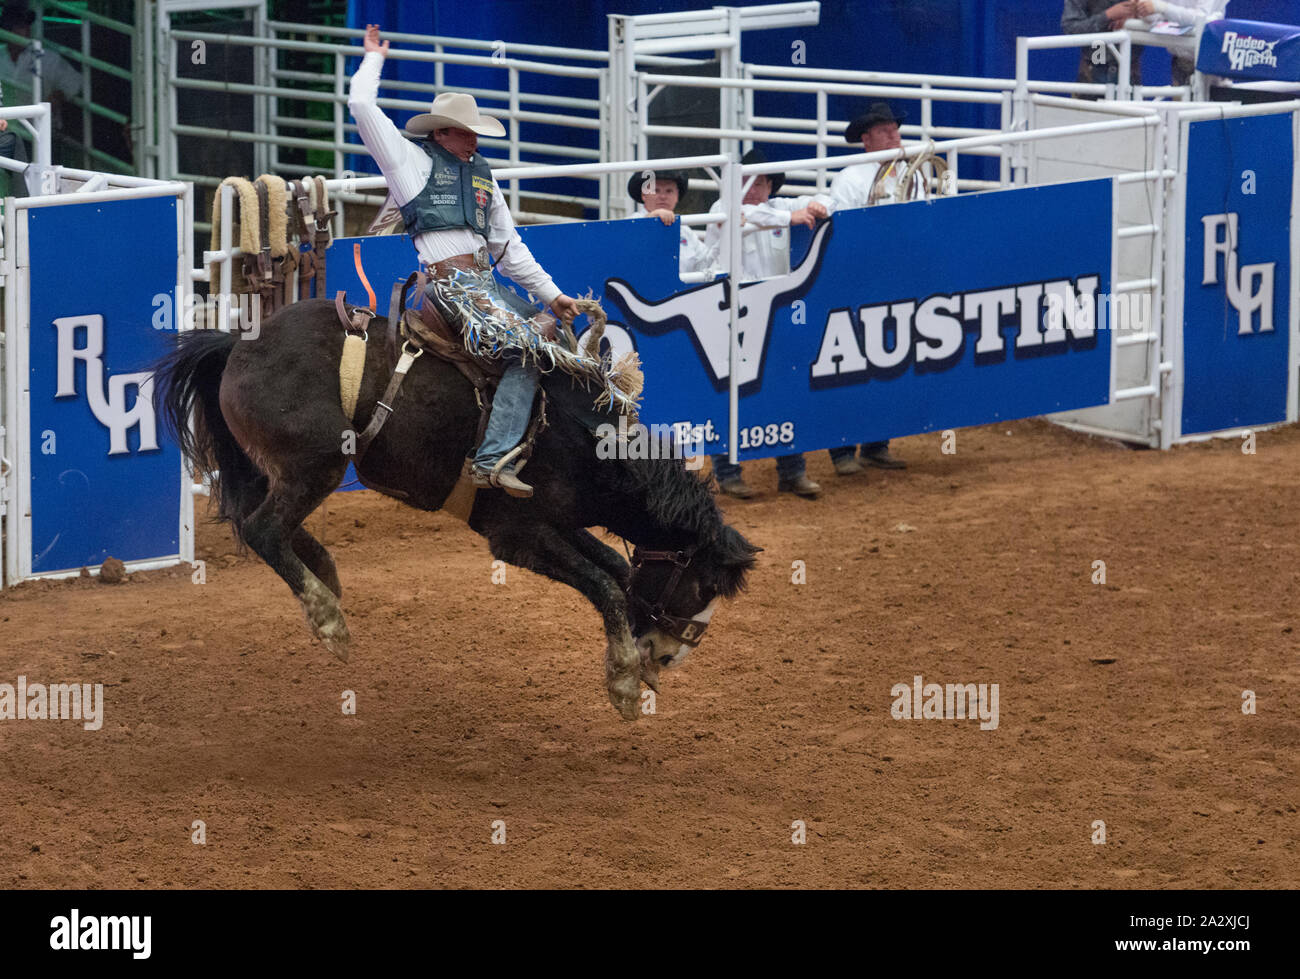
(111, 412)
(1250, 288)
(704, 310)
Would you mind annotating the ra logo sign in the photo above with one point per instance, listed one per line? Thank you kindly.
(1249, 287)
(108, 407)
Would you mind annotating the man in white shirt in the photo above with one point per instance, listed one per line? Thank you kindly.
(19, 65)
(657, 196)
(766, 222)
(456, 215)
(765, 252)
(866, 185)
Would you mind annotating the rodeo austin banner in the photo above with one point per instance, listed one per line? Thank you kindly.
(1250, 50)
(898, 320)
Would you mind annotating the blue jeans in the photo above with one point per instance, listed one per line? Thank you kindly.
(787, 467)
(511, 408)
(846, 451)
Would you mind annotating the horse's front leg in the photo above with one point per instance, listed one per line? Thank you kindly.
(604, 556)
(542, 548)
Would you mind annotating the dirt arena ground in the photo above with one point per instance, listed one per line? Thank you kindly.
(479, 702)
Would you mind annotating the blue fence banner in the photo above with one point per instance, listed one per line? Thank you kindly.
(1236, 300)
(105, 482)
(1249, 49)
(902, 319)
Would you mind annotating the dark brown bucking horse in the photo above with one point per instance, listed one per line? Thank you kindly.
(263, 416)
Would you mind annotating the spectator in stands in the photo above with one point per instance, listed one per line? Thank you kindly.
(657, 196)
(1191, 13)
(864, 185)
(765, 251)
(19, 65)
(1094, 17)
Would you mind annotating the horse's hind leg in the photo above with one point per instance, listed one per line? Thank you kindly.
(273, 531)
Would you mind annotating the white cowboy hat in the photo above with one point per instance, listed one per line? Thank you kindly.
(455, 110)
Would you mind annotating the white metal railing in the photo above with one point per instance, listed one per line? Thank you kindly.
(521, 106)
(819, 131)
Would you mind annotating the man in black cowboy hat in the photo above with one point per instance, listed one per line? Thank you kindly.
(765, 251)
(766, 220)
(657, 195)
(875, 183)
(864, 185)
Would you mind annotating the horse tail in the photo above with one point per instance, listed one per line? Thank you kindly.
(188, 385)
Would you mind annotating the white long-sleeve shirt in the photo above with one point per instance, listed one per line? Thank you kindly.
(692, 254)
(407, 167)
(765, 235)
(851, 187)
(1192, 12)
(16, 75)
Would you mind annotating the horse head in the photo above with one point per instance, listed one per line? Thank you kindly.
(672, 595)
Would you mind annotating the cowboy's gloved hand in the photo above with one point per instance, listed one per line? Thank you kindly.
(371, 41)
(566, 309)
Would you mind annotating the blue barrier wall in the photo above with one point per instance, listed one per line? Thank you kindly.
(859, 343)
(105, 478)
(1237, 277)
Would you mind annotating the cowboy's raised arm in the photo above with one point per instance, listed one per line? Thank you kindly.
(392, 151)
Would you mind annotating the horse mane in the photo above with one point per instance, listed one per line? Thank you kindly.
(682, 500)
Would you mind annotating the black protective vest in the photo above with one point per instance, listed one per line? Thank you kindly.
(457, 195)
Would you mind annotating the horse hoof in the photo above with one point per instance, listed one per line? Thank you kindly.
(625, 694)
(339, 644)
(628, 708)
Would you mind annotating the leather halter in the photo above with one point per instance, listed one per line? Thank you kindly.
(689, 632)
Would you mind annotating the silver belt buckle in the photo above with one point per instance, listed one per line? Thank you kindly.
(481, 258)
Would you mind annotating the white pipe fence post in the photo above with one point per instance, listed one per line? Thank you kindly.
(731, 192)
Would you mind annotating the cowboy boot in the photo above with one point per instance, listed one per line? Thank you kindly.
(801, 486)
(505, 479)
(737, 487)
